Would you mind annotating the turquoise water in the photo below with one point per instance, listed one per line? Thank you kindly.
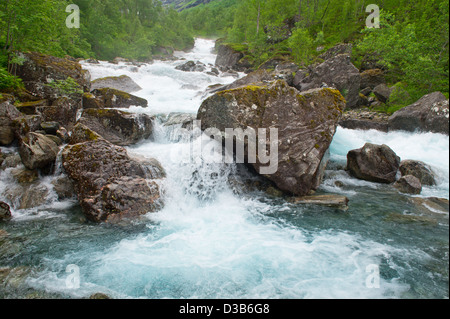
(212, 240)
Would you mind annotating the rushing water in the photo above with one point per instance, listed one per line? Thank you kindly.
(212, 241)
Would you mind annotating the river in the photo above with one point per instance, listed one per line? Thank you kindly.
(213, 242)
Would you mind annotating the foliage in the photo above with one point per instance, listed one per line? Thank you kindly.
(8, 81)
(66, 87)
(412, 43)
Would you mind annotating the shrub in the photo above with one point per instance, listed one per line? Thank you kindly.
(8, 81)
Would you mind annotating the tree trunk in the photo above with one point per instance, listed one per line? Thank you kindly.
(259, 16)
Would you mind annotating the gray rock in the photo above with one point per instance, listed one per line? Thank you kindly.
(375, 163)
(419, 170)
(109, 184)
(118, 127)
(39, 69)
(382, 92)
(227, 58)
(122, 83)
(257, 77)
(50, 127)
(112, 98)
(428, 114)
(330, 200)
(6, 131)
(337, 72)
(9, 111)
(409, 184)
(341, 48)
(306, 123)
(191, 66)
(64, 187)
(37, 151)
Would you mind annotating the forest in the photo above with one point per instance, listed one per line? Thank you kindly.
(412, 42)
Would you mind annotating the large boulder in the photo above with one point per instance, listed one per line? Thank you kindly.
(337, 72)
(375, 163)
(39, 70)
(305, 122)
(428, 114)
(109, 184)
(123, 83)
(228, 58)
(118, 127)
(112, 98)
(37, 151)
(419, 170)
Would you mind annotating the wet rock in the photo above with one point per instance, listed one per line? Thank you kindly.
(122, 83)
(33, 196)
(5, 211)
(337, 72)
(420, 170)
(99, 295)
(64, 188)
(428, 114)
(92, 61)
(25, 176)
(113, 98)
(375, 163)
(409, 184)
(11, 160)
(185, 119)
(431, 205)
(329, 200)
(37, 151)
(109, 184)
(306, 123)
(118, 127)
(191, 66)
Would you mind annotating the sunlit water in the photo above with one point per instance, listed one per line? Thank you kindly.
(211, 241)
